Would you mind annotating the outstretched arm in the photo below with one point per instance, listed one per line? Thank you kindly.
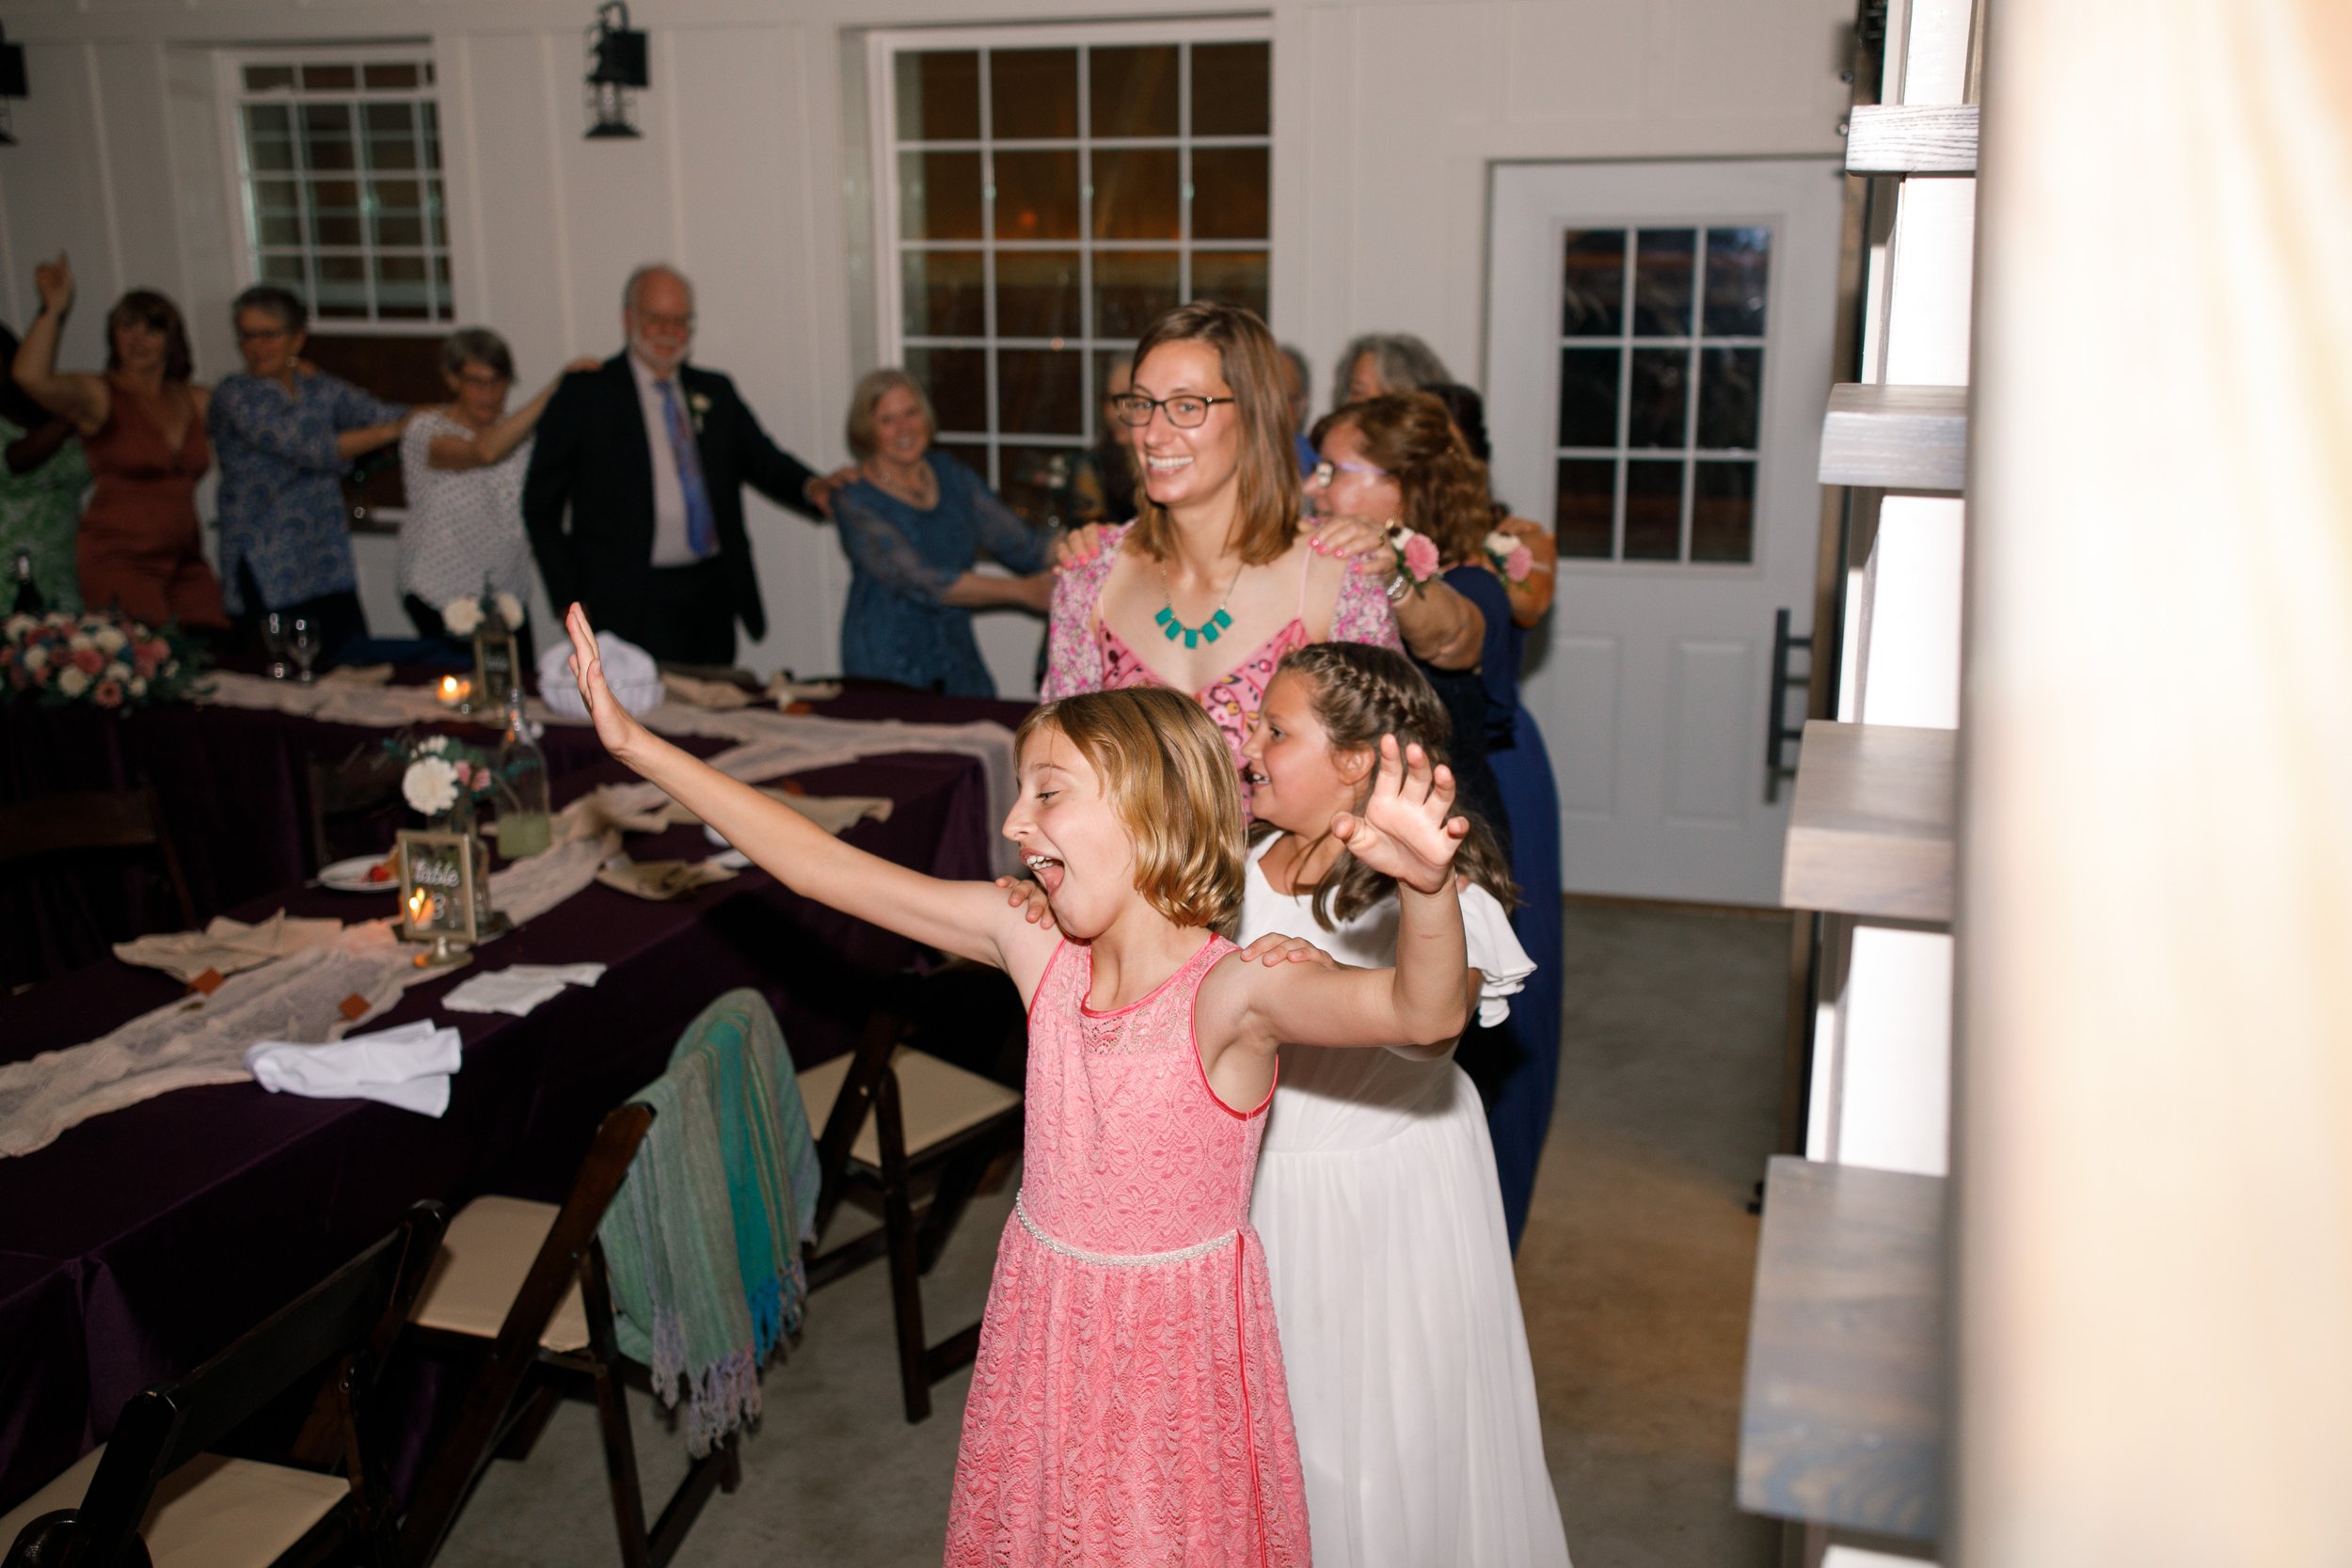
(81, 401)
(968, 919)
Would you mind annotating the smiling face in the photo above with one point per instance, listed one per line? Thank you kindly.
(140, 346)
(1353, 489)
(481, 391)
(269, 349)
(1187, 467)
(1071, 836)
(900, 431)
(1300, 781)
(660, 321)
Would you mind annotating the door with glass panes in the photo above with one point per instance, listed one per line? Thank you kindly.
(1658, 361)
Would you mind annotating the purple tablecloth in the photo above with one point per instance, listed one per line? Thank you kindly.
(143, 1240)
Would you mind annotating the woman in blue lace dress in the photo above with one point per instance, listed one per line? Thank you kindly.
(914, 524)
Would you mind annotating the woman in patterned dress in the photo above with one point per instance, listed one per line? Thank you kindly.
(1215, 580)
(462, 464)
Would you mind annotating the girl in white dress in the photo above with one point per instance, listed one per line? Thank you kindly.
(1376, 1194)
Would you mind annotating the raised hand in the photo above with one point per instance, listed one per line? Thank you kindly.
(1408, 829)
(1275, 948)
(54, 279)
(1029, 899)
(614, 727)
(1077, 546)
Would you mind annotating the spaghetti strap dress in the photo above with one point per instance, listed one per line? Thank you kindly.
(141, 549)
(1128, 1403)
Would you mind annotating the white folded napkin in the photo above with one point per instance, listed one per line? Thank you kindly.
(409, 1066)
(519, 989)
(629, 670)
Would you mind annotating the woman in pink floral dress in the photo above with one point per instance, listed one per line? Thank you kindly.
(1215, 580)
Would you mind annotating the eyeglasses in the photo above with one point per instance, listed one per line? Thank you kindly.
(1186, 413)
(483, 379)
(1323, 472)
(654, 322)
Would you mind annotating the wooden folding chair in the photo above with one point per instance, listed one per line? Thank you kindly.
(892, 1114)
(155, 1494)
(49, 827)
(525, 1284)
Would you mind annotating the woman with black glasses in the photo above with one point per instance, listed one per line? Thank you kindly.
(1216, 579)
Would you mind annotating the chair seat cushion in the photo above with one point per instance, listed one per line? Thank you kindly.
(485, 1254)
(937, 1101)
(210, 1513)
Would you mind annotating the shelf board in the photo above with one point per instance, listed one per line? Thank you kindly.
(1843, 1422)
(1870, 824)
(1895, 437)
(1907, 139)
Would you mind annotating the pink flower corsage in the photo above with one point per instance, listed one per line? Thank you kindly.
(1512, 561)
(1416, 554)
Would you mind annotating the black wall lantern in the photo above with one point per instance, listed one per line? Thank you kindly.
(12, 82)
(617, 63)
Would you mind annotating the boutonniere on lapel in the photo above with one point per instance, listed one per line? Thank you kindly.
(697, 404)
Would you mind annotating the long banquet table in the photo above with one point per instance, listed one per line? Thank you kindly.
(142, 1241)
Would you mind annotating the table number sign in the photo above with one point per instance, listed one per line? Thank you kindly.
(445, 891)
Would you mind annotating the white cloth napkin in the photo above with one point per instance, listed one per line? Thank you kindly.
(520, 988)
(409, 1066)
(629, 670)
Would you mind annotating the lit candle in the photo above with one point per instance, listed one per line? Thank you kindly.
(419, 900)
(455, 691)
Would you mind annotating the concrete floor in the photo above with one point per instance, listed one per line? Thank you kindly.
(1634, 1277)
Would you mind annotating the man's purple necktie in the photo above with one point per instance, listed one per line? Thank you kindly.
(701, 529)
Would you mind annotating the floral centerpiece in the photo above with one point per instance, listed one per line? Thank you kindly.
(100, 658)
(445, 778)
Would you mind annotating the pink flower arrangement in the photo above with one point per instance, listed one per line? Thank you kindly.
(102, 658)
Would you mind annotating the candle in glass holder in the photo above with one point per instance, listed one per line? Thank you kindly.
(453, 691)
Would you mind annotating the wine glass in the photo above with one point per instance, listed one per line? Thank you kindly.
(274, 641)
(302, 641)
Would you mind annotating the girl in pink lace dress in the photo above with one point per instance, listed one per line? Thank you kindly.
(1128, 1404)
(1213, 582)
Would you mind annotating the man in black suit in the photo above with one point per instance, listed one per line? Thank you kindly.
(651, 455)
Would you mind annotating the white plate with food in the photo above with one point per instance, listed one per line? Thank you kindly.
(363, 874)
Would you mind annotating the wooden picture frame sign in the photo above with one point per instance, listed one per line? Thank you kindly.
(439, 892)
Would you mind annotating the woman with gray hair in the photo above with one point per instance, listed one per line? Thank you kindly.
(463, 463)
(912, 524)
(1384, 364)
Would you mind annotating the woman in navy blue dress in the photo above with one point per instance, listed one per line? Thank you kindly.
(913, 525)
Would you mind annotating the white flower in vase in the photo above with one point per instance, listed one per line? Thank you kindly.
(73, 680)
(118, 671)
(461, 616)
(108, 640)
(430, 785)
(511, 612)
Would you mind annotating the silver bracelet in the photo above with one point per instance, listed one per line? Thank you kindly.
(1398, 586)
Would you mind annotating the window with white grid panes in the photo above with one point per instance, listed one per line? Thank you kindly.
(1661, 374)
(1048, 199)
(339, 167)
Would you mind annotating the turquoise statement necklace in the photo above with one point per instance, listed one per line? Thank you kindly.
(1207, 631)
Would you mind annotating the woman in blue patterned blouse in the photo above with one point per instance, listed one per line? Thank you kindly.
(913, 525)
(284, 432)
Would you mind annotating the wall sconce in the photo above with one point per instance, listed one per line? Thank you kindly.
(617, 63)
(11, 82)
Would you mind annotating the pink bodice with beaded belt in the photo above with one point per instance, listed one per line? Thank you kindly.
(1128, 1404)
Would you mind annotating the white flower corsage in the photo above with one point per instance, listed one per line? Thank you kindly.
(698, 404)
(1512, 561)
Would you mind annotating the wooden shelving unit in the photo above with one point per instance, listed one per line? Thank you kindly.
(1870, 825)
(1907, 140)
(1843, 1422)
(1895, 437)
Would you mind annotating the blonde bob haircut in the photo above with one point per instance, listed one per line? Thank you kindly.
(1170, 778)
(872, 389)
(1267, 495)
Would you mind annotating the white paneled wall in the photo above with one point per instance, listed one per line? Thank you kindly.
(1387, 117)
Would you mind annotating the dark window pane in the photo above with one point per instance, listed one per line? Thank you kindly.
(1228, 193)
(1037, 196)
(431, 117)
(1653, 510)
(285, 270)
(1136, 195)
(1584, 522)
(1656, 414)
(971, 455)
(1131, 287)
(342, 288)
(335, 212)
(1731, 385)
(1235, 277)
(1037, 480)
(1132, 92)
(328, 78)
(1037, 294)
(1661, 281)
(1722, 513)
(1032, 93)
(400, 228)
(939, 95)
(1038, 392)
(1588, 397)
(1108, 365)
(1231, 89)
(404, 196)
(939, 196)
(957, 379)
(1736, 262)
(268, 78)
(1592, 283)
(327, 136)
(940, 294)
(391, 137)
(278, 227)
(389, 75)
(401, 292)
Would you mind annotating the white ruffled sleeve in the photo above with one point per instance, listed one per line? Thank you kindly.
(1502, 964)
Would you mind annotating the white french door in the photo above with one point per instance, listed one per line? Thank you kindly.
(1658, 360)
